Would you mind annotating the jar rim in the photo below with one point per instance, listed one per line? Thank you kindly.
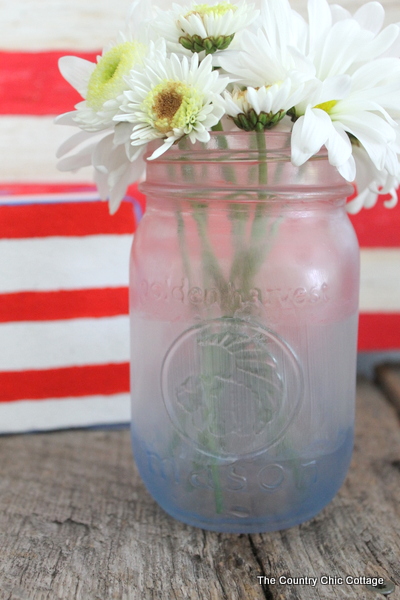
(236, 144)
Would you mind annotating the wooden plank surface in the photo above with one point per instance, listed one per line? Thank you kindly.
(77, 523)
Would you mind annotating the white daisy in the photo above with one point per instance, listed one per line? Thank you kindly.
(101, 84)
(170, 98)
(338, 43)
(257, 109)
(204, 28)
(371, 183)
(267, 56)
(116, 163)
(361, 106)
(101, 144)
(355, 93)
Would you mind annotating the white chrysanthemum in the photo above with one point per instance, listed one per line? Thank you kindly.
(267, 56)
(196, 27)
(172, 97)
(116, 163)
(101, 144)
(355, 93)
(360, 106)
(102, 84)
(371, 183)
(256, 109)
(338, 43)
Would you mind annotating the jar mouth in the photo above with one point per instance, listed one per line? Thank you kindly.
(242, 165)
(232, 146)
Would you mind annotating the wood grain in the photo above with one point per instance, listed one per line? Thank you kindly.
(77, 523)
(358, 534)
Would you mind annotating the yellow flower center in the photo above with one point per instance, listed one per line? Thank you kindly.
(327, 106)
(218, 10)
(173, 105)
(107, 79)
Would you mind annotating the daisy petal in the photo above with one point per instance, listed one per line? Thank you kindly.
(77, 161)
(309, 134)
(370, 16)
(163, 148)
(102, 152)
(339, 146)
(77, 72)
(72, 142)
(392, 202)
(348, 169)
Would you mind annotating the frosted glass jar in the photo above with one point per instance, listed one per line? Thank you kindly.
(244, 281)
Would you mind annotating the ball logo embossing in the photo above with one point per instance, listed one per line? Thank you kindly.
(231, 387)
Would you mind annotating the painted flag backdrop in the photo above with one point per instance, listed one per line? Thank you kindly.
(64, 337)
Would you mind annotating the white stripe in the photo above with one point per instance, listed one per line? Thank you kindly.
(73, 342)
(49, 198)
(37, 24)
(28, 151)
(102, 261)
(65, 263)
(31, 415)
(380, 280)
(51, 24)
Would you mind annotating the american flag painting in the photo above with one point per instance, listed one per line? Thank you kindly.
(64, 350)
(64, 331)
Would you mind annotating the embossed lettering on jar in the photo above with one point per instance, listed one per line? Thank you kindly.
(244, 283)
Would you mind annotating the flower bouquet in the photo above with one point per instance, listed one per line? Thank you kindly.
(245, 126)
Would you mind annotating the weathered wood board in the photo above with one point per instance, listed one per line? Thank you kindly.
(76, 523)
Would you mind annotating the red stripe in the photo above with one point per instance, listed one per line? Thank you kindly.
(65, 219)
(28, 189)
(31, 84)
(379, 331)
(66, 304)
(378, 226)
(114, 378)
(9, 188)
(52, 216)
(63, 383)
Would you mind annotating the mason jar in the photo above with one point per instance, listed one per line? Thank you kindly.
(244, 283)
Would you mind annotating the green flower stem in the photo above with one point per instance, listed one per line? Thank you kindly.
(210, 443)
(217, 127)
(257, 228)
(213, 270)
(247, 259)
(210, 262)
(208, 365)
(255, 254)
(219, 504)
(258, 250)
(183, 245)
(227, 170)
(262, 228)
(238, 215)
(263, 166)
